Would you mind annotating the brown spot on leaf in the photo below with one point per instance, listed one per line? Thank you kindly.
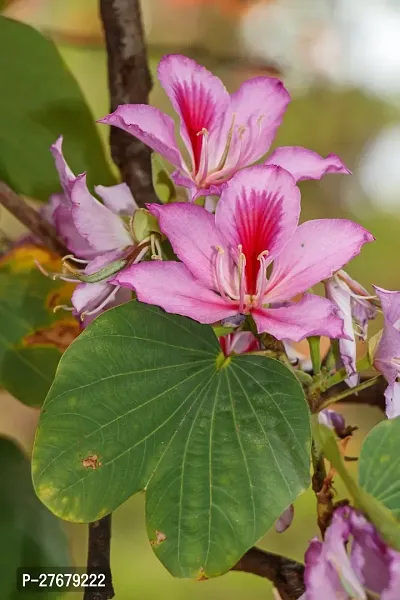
(91, 462)
(59, 335)
(201, 576)
(160, 537)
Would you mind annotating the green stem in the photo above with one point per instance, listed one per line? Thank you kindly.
(361, 365)
(349, 392)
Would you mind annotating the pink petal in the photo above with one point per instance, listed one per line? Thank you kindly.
(392, 397)
(340, 296)
(172, 286)
(118, 198)
(390, 305)
(239, 342)
(149, 125)
(259, 105)
(315, 252)
(87, 296)
(95, 222)
(194, 238)
(66, 229)
(306, 164)
(259, 210)
(67, 177)
(387, 350)
(201, 101)
(311, 316)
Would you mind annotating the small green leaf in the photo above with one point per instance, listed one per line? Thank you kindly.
(31, 535)
(146, 400)
(377, 512)
(162, 182)
(379, 465)
(32, 337)
(41, 100)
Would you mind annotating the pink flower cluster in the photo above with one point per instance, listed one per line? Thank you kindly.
(249, 257)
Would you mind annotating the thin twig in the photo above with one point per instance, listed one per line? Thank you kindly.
(130, 82)
(321, 486)
(333, 398)
(99, 558)
(287, 575)
(32, 219)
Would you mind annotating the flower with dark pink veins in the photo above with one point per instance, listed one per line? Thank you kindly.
(97, 235)
(226, 258)
(334, 572)
(222, 133)
(353, 302)
(387, 353)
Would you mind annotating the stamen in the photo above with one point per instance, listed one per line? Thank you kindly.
(225, 153)
(42, 269)
(242, 278)
(54, 276)
(73, 258)
(108, 299)
(203, 166)
(63, 307)
(219, 273)
(261, 276)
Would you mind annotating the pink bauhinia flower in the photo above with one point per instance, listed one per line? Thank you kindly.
(336, 569)
(222, 133)
(353, 302)
(226, 258)
(97, 236)
(387, 353)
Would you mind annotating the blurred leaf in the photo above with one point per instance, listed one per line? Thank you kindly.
(31, 536)
(32, 337)
(379, 465)
(378, 514)
(146, 400)
(162, 182)
(40, 100)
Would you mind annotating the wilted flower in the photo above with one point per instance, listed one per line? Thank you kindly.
(98, 236)
(387, 353)
(333, 571)
(356, 310)
(334, 420)
(222, 133)
(224, 265)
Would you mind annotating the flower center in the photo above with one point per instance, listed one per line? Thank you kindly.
(249, 298)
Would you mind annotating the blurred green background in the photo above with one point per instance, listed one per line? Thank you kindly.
(341, 64)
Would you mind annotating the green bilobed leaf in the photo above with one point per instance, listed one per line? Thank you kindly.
(379, 465)
(378, 513)
(145, 400)
(162, 182)
(32, 337)
(31, 536)
(41, 100)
